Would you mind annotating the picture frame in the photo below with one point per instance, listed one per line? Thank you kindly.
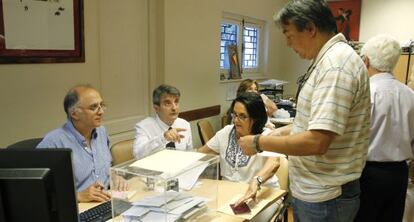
(347, 14)
(234, 71)
(50, 31)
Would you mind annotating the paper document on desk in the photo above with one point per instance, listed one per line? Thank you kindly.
(282, 120)
(187, 180)
(159, 216)
(273, 82)
(168, 206)
(169, 161)
(122, 194)
(270, 154)
(158, 200)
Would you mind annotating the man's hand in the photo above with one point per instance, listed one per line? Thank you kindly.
(173, 135)
(246, 144)
(250, 193)
(94, 192)
(119, 183)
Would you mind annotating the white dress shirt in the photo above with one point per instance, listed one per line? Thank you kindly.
(150, 135)
(392, 120)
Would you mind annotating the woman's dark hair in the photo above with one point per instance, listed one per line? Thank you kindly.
(255, 108)
(302, 13)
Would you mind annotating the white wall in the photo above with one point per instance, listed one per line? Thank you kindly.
(384, 16)
(134, 46)
(192, 39)
(31, 95)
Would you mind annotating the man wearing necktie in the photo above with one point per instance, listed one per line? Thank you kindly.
(165, 129)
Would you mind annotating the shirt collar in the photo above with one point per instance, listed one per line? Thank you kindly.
(381, 76)
(79, 138)
(337, 38)
(161, 123)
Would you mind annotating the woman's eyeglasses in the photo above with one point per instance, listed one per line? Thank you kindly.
(239, 116)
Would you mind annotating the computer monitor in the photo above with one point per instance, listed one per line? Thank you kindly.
(37, 185)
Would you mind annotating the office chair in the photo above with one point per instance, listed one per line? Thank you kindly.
(26, 144)
(122, 151)
(225, 120)
(205, 130)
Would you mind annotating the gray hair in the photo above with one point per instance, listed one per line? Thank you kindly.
(383, 52)
(72, 98)
(164, 89)
(302, 13)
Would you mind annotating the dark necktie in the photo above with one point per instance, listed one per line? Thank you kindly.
(170, 145)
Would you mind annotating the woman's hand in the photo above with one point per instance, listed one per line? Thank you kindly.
(250, 193)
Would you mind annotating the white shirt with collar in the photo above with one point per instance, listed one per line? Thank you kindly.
(150, 136)
(392, 120)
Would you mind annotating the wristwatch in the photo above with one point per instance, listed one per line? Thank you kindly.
(259, 180)
(256, 143)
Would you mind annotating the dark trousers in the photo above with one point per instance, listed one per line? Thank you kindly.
(383, 190)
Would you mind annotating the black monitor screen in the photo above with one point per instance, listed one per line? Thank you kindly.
(37, 185)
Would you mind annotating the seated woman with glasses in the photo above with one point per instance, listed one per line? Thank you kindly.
(250, 85)
(249, 118)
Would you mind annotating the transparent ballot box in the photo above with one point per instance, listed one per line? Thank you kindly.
(168, 185)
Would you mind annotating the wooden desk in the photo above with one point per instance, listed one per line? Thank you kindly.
(224, 191)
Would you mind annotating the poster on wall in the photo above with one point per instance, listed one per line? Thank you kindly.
(347, 14)
(41, 31)
(234, 62)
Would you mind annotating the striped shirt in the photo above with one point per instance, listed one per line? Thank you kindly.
(90, 164)
(335, 98)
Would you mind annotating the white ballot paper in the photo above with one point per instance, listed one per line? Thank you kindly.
(169, 161)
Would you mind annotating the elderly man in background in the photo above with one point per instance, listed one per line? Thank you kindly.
(384, 179)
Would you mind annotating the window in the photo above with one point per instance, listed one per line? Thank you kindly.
(245, 33)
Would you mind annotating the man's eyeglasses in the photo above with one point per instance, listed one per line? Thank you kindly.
(96, 107)
(240, 116)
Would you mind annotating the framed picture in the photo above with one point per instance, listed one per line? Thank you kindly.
(234, 62)
(347, 14)
(41, 31)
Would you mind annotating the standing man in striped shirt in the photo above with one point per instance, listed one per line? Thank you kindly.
(384, 179)
(328, 141)
(84, 134)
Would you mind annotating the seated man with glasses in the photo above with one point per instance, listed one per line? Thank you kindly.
(249, 118)
(84, 134)
(165, 129)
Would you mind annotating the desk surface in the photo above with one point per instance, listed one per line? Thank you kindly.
(225, 191)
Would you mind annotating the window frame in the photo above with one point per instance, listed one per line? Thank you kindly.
(230, 18)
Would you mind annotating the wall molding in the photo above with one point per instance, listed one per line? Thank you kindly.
(201, 113)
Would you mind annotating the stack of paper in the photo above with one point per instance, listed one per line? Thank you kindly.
(176, 161)
(169, 206)
(273, 82)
